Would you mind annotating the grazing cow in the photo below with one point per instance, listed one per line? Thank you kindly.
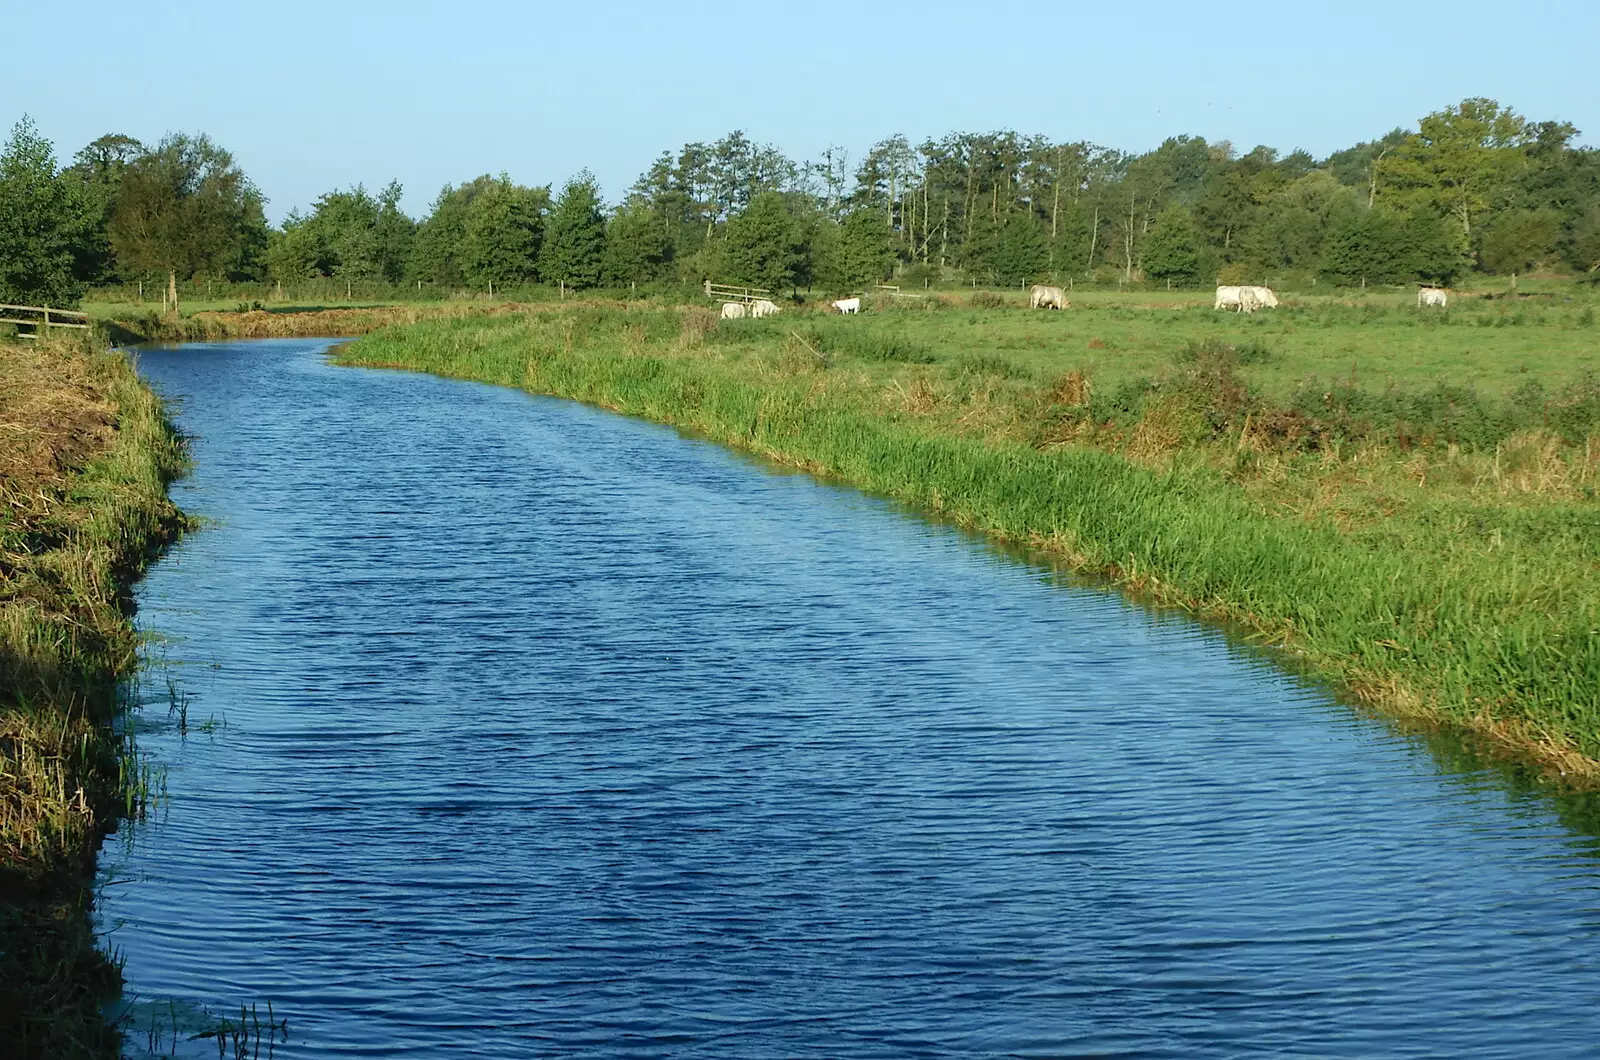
(1042, 297)
(763, 308)
(1227, 298)
(1265, 296)
(1249, 301)
(847, 305)
(1432, 296)
(733, 310)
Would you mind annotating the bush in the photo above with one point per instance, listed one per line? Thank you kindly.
(987, 364)
(865, 345)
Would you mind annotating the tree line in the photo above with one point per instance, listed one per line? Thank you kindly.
(1476, 188)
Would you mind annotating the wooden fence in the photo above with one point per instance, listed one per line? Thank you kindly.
(727, 292)
(41, 319)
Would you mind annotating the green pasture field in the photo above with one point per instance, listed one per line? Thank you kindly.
(1374, 341)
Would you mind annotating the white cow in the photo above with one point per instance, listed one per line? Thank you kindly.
(733, 310)
(1042, 297)
(1233, 298)
(763, 308)
(1249, 301)
(1432, 296)
(847, 305)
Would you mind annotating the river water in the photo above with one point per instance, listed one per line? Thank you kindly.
(517, 728)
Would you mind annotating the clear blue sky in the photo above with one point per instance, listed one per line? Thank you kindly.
(310, 96)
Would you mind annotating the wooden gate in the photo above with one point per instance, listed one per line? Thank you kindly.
(41, 319)
(727, 292)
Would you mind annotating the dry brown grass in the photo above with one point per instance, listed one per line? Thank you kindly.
(698, 322)
(318, 323)
(917, 396)
(1534, 462)
(52, 418)
(1072, 390)
(84, 457)
(1167, 426)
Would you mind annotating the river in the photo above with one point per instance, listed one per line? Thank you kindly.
(517, 728)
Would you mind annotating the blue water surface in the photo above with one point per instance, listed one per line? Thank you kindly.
(539, 731)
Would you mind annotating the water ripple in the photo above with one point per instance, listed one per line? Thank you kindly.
(553, 733)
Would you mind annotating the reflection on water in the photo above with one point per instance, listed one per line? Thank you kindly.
(549, 732)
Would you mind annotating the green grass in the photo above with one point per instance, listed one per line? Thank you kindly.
(1378, 342)
(1434, 581)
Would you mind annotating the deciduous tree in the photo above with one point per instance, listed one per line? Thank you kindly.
(574, 244)
(186, 209)
(765, 247)
(1023, 253)
(43, 223)
(1461, 158)
(1171, 252)
(637, 248)
(1515, 241)
(97, 171)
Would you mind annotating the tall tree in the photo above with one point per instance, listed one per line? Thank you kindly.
(186, 209)
(1023, 253)
(504, 234)
(574, 243)
(488, 230)
(42, 223)
(1171, 253)
(294, 250)
(865, 251)
(97, 170)
(1459, 161)
(636, 247)
(1584, 250)
(394, 233)
(1369, 247)
(1516, 240)
(765, 246)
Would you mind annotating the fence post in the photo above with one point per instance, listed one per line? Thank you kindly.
(45, 330)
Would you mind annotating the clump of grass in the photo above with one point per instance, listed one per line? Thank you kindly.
(985, 300)
(1073, 389)
(801, 355)
(845, 340)
(1214, 351)
(988, 364)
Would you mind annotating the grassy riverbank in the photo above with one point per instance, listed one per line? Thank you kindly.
(1433, 549)
(281, 322)
(85, 456)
